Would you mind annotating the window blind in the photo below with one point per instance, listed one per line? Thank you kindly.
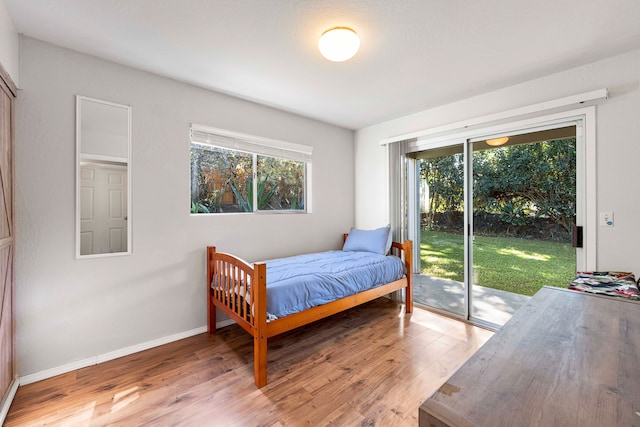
(250, 143)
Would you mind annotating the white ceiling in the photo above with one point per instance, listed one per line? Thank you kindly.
(414, 54)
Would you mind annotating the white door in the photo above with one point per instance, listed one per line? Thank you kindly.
(103, 208)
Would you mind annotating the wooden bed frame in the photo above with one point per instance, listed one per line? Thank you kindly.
(228, 275)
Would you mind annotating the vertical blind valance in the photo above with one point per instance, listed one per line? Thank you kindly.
(250, 143)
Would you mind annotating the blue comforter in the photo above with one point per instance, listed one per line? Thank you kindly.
(304, 281)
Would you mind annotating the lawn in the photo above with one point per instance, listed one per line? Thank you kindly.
(510, 264)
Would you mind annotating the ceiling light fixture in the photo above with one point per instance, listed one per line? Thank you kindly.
(339, 44)
(497, 141)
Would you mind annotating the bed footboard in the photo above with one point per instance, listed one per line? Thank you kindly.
(240, 290)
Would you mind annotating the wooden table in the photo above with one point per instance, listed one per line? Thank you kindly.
(565, 358)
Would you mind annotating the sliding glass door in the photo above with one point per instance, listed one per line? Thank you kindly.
(442, 224)
(496, 215)
(523, 213)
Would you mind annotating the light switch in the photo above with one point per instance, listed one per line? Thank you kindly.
(606, 219)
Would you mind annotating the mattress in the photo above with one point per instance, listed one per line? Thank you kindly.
(300, 282)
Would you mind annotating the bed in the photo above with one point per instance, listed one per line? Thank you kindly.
(239, 290)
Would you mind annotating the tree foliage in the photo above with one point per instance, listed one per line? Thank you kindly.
(445, 177)
(515, 183)
(213, 173)
(283, 183)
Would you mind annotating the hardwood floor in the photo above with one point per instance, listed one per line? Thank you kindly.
(371, 366)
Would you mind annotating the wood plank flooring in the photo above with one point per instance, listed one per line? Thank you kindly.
(371, 366)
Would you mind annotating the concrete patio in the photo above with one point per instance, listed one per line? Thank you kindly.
(491, 305)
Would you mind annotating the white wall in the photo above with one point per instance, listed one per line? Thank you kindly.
(8, 44)
(68, 309)
(618, 147)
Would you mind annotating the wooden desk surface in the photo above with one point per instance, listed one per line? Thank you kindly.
(564, 359)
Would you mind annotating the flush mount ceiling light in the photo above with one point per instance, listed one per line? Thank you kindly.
(497, 141)
(339, 44)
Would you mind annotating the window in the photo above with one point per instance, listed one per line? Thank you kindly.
(231, 172)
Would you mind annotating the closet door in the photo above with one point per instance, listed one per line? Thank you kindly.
(8, 374)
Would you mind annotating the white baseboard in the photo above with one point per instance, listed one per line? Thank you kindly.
(58, 370)
(149, 344)
(6, 403)
(224, 323)
(90, 361)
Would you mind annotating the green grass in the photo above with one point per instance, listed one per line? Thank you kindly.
(506, 263)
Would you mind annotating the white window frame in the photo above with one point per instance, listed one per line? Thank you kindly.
(257, 146)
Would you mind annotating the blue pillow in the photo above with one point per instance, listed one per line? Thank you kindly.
(377, 241)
